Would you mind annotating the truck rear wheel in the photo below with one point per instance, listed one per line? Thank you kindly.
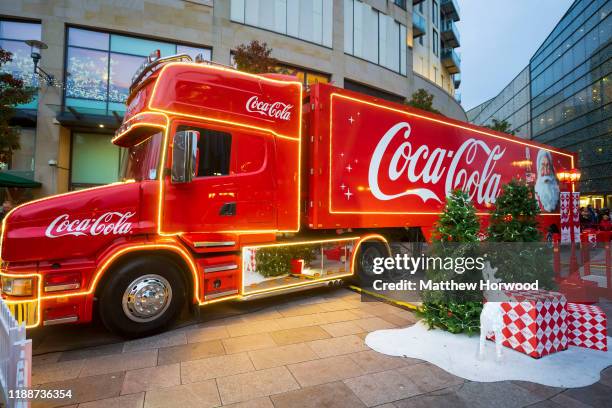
(364, 261)
(142, 296)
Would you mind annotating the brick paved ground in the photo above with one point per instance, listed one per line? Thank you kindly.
(308, 352)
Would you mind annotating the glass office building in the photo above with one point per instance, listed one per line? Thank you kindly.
(570, 90)
(512, 105)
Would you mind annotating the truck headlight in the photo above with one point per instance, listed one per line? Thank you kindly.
(17, 286)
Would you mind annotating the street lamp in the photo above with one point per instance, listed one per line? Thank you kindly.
(571, 176)
(36, 46)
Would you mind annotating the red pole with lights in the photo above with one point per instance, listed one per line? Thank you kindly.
(570, 177)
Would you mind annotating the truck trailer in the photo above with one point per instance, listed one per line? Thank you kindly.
(236, 186)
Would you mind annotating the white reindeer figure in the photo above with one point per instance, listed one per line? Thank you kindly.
(491, 317)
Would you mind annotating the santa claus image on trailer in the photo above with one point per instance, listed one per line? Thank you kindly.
(546, 186)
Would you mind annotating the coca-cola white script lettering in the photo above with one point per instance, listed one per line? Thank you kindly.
(424, 165)
(276, 110)
(110, 223)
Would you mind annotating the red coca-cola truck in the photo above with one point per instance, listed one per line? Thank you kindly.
(236, 186)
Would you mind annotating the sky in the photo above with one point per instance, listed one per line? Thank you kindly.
(498, 37)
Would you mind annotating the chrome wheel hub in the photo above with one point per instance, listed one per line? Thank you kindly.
(147, 298)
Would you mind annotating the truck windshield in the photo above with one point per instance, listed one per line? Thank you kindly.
(141, 162)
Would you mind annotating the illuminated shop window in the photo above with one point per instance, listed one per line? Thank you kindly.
(13, 35)
(305, 76)
(95, 160)
(100, 66)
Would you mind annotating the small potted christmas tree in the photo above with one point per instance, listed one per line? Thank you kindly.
(456, 235)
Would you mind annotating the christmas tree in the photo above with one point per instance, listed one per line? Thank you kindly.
(455, 237)
(514, 217)
(515, 242)
(458, 222)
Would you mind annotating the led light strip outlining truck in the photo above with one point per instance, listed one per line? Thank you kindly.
(237, 186)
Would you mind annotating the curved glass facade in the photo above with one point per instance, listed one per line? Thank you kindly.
(569, 88)
(512, 105)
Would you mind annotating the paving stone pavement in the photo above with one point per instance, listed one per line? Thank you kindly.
(301, 351)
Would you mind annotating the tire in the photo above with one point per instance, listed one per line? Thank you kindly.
(123, 301)
(364, 261)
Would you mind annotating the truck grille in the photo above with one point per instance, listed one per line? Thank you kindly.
(26, 311)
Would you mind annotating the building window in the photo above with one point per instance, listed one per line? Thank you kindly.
(400, 3)
(388, 49)
(368, 90)
(95, 160)
(13, 35)
(435, 13)
(21, 161)
(309, 20)
(435, 46)
(100, 66)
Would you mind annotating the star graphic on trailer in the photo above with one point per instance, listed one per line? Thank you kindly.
(351, 120)
(348, 194)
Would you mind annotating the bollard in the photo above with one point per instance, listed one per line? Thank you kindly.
(573, 260)
(585, 251)
(607, 246)
(556, 256)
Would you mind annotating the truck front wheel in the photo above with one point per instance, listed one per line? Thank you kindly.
(142, 296)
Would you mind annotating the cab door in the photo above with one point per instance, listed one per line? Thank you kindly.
(232, 188)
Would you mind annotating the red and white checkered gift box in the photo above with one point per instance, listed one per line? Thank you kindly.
(535, 322)
(587, 326)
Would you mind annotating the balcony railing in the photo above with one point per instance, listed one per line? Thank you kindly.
(450, 9)
(419, 25)
(451, 60)
(450, 34)
(457, 80)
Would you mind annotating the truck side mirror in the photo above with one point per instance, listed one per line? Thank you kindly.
(184, 155)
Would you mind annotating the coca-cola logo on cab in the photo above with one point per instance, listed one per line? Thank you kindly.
(276, 110)
(110, 223)
(470, 168)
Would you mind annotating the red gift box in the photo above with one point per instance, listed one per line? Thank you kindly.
(535, 322)
(587, 326)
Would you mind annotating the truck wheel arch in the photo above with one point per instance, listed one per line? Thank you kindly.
(368, 238)
(174, 253)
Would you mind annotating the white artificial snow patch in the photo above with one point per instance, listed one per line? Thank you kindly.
(458, 354)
